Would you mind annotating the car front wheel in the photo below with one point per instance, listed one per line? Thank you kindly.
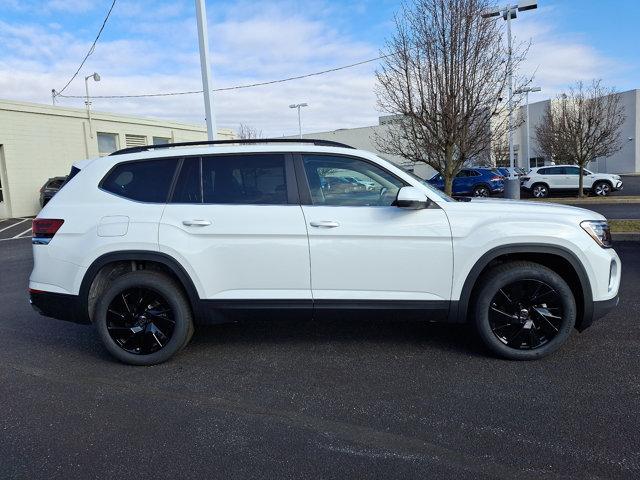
(601, 189)
(524, 311)
(144, 318)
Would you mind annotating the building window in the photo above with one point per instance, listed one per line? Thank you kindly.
(135, 140)
(536, 162)
(107, 143)
(161, 140)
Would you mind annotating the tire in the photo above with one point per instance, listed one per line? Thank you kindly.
(601, 189)
(509, 322)
(146, 329)
(481, 191)
(540, 190)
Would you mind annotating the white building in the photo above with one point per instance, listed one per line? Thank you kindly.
(627, 160)
(42, 141)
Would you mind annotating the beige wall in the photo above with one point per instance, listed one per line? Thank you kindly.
(42, 141)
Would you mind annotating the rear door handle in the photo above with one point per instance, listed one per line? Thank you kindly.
(325, 224)
(196, 223)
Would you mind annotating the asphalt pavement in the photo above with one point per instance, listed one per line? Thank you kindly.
(308, 399)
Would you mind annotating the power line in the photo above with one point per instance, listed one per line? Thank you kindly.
(91, 50)
(237, 87)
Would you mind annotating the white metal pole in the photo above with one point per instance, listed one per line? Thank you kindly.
(510, 80)
(299, 122)
(88, 102)
(203, 40)
(53, 96)
(528, 159)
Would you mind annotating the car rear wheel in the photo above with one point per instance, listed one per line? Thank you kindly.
(601, 189)
(540, 190)
(524, 311)
(144, 318)
(481, 191)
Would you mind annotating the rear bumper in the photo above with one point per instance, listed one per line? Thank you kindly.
(61, 306)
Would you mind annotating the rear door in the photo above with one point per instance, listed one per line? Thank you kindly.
(235, 223)
(364, 250)
(572, 176)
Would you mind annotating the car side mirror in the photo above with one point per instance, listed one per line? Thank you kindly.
(412, 198)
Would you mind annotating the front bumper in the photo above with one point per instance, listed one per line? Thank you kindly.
(61, 306)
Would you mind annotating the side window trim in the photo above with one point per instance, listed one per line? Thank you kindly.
(303, 181)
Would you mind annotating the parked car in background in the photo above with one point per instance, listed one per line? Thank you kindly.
(542, 181)
(477, 182)
(50, 188)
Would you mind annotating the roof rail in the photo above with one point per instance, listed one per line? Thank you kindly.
(319, 143)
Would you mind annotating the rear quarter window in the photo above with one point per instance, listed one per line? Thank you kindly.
(143, 181)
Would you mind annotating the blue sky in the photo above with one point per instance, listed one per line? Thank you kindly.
(151, 46)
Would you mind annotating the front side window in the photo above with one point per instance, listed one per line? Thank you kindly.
(327, 176)
(107, 143)
(244, 179)
(143, 181)
(572, 170)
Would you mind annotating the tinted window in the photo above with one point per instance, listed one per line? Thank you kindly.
(544, 171)
(327, 175)
(144, 181)
(572, 170)
(244, 179)
(188, 188)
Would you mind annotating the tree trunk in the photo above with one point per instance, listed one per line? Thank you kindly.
(448, 184)
(580, 183)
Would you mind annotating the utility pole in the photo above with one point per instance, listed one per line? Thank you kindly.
(298, 106)
(53, 96)
(203, 41)
(512, 184)
(96, 78)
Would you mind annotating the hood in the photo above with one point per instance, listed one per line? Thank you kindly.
(505, 206)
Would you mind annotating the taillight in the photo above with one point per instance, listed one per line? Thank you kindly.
(43, 229)
(497, 179)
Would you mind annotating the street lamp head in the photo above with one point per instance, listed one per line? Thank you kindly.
(525, 5)
(96, 77)
(293, 106)
(298, 105)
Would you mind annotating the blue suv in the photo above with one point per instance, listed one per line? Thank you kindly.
(478, 182)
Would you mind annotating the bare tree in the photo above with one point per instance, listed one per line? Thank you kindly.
(445, 75)
(582, 125)
(500, 151)
(247, 132)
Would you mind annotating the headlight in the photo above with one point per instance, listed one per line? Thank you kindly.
(599, 231)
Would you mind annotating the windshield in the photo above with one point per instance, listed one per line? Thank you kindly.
(438, 192)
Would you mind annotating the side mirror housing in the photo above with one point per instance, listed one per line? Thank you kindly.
(412, 198)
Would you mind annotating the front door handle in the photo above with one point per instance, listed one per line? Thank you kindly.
(325, 224)
(196, 223)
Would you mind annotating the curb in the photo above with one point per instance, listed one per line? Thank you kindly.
(626, 237)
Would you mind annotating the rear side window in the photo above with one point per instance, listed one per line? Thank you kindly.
(244, 179)
(143, 181)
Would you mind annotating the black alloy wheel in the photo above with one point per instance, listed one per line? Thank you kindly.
(144, 317)
(140, 321)
(523, 310)
(540, 190)
(526, 314)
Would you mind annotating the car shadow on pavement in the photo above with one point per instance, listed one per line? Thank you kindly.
(391, 333)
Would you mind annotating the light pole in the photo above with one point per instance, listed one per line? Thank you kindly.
(96, 78)
(298, 106)
(512, 185)
(526, 91)
(203, 42)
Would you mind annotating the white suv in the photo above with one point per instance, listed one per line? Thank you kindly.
(150, 240)
(542, 180)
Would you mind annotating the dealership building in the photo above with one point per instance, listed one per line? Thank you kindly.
(42, 141)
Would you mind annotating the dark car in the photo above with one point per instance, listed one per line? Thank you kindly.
(50, 188)
(478, 182)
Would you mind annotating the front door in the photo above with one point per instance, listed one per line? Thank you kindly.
(364, 250)
(236, 222)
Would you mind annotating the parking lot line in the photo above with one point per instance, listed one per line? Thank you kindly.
(20, 234)
(14, 224)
